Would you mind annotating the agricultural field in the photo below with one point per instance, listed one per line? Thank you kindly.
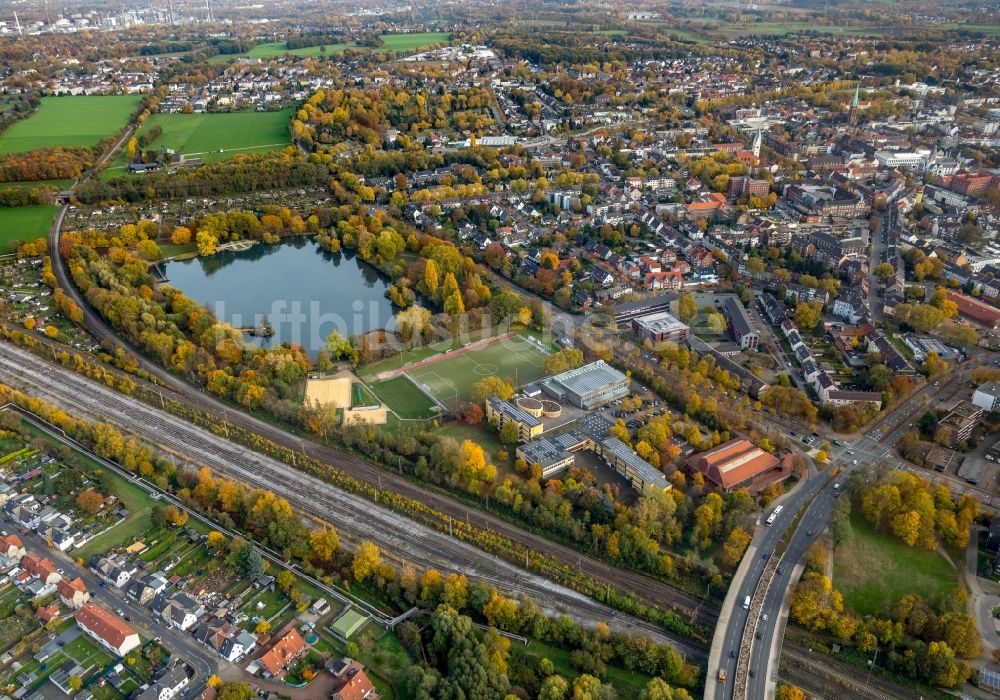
(80, 121)
(873, 571)
(390, 42)
(213, 136)
(24, 224)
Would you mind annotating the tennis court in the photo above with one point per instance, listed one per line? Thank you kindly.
(514, 359)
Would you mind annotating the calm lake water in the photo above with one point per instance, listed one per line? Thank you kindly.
(305, 292)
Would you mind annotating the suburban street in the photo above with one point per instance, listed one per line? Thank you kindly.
(178, 642)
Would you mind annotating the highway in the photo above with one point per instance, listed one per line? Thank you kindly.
(760, 551)
(355, 517)
(741, 650)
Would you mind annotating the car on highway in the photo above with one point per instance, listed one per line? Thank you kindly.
(121, 613)
(732, 653)
(763, 617)
(722, 675)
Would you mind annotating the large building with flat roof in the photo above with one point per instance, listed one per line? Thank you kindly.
(502, 412)
(659, 327)
(588, 387)
(739, 324)
(638, 471)
(627, 310)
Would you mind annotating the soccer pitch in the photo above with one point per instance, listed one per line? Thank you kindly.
(449, 380)
(69, 121)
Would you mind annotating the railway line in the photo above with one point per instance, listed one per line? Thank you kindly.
(313, 496)
(648, 590)
(826, 678)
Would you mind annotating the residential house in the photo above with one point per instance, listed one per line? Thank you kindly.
(739, 325)
(73, 594)
(41, 568)
(107, 629)
(849, 306)
(285, 651)
(11, 547)
(352, 683)
(179, 610)
(167, 684)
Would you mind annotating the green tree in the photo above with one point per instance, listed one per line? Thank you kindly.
(509, 434)
(884, 271)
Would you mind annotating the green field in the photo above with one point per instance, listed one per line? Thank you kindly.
(69, 121)
(390, 42)
(874, 571)
(32, 184)
(24, 224)
(214, 136)
(450, 380)
(401, 396)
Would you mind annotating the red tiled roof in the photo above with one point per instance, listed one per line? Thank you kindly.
(975, 309)
(39, 566)
(105, 625)
(68, 588)
(355, 686)
(732, 463)
(10, 541)
(283, 652)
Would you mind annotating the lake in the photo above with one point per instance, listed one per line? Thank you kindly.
(303, 291)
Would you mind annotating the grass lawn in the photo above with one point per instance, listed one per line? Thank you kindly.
(86, 653)
(482, 435)
(169, 249)
(80, 121)
(874, 571)
(390, 42)
(24, 224)
(32, 184)
(213, 136)
(402, 397)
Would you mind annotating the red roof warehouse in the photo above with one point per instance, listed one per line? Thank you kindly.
(735, 464)
(975, 310)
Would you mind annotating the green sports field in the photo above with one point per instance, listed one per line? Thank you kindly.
(80, 121)
(390, 42)
(214, 136)
(449, 380)
(24, 224)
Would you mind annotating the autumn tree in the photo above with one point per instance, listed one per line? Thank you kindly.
(687, 307)
(89, 501)
(491, 386)
(367, 558)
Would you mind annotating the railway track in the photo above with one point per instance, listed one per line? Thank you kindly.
(315, 497)
(829, 679)
(650, 591)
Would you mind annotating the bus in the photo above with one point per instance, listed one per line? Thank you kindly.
(773, 516)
